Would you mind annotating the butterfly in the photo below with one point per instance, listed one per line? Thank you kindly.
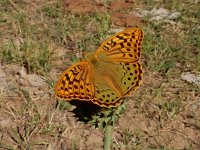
(108, 75)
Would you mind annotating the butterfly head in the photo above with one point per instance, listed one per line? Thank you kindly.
(92, 59)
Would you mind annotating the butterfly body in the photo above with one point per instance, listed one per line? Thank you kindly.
(108, 75)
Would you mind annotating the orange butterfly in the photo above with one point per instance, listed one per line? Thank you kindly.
(107, 76)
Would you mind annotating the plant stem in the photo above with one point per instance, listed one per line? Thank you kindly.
(108, 137)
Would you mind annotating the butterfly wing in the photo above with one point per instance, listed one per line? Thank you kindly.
(122, 47)
(120, 70)
(116, 82)
(131, 77)
(76, 83)
(106, 95)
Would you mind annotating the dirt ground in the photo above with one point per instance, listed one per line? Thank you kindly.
(40, 39)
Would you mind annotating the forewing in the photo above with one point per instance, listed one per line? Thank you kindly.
(76, 83)
(124, 46)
